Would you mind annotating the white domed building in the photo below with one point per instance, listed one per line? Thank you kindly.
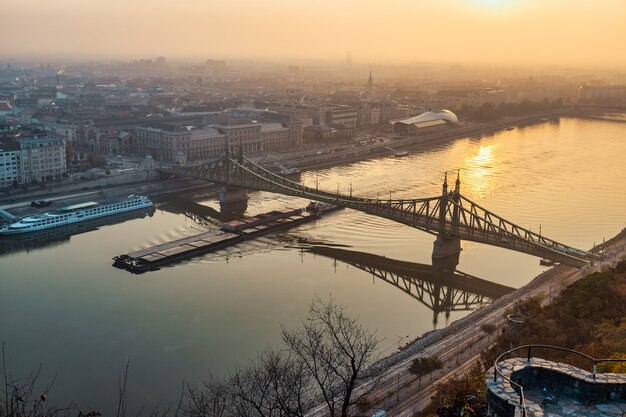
(431, 121)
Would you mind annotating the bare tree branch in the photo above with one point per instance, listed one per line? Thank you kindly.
(336, 350)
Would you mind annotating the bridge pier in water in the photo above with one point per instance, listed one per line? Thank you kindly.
(233, 201)
(446, 247)
(230, 195)
(445, 264)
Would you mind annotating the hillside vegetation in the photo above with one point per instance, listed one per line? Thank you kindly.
(589, 316)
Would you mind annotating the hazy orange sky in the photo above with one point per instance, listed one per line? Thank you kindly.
(465, 31)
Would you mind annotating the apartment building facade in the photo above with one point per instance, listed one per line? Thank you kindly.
(194, 144)
(9, 162)
(42, 158)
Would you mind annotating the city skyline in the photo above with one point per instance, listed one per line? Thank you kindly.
(453, 31)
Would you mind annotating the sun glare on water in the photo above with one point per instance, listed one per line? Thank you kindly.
(479, 172)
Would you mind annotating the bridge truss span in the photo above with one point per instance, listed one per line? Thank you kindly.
(476, 223)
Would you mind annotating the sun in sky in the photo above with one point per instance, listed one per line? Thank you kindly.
(493, 3)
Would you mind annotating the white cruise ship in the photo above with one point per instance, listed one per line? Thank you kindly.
(75, 213)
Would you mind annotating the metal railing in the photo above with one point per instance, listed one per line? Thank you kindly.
(520, 388)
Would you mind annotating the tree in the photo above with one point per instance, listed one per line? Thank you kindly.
(273, 385)
(209, 401)
(335, 351)
(455, 393)
(488, 328)
(424, 366)
(25, 397)
(326, 358)
(69, 152)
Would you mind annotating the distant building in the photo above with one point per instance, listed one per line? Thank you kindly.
(115, 142)
(205, 143)
(5, 108)
(42, 158)
(172, 143)
(198, 110)
(403, 111)
(424, 123)
(591, 93)
(242, 134)
(368, 115)
(347, 116)
(254, 137)
(9, 162)
(317, 133)
(307, 115)
(26, 159)
(177, 144)
(67, 129)
(327, 133)
(276, 136)
(495, 97)
(96, 129)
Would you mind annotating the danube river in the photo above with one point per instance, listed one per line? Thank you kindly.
(65, 307)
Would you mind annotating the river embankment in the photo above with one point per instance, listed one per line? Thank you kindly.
(414, 143)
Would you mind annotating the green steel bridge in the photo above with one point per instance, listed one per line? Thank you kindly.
(450, 216)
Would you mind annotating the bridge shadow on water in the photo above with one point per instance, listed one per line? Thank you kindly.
(203, 215)
(439, 286)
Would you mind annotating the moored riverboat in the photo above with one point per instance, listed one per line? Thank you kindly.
(75, 213)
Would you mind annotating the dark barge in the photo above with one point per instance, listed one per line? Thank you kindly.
(235, 231)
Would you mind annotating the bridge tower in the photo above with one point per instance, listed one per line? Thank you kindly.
(233, 200)
(448, 245)
(456, 198)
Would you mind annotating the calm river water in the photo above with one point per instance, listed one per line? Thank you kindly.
(64, 306)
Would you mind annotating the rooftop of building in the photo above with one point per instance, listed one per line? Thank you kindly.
(8, 144)
(272, 127)
(30, 141)
(205, 133)
(200, 108)
(428, 116)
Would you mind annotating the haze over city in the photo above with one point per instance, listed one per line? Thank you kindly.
(529, 32)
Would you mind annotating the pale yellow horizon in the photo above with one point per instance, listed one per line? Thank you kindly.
(553, 32)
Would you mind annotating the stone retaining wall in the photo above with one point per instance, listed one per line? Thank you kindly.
(504, 399)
